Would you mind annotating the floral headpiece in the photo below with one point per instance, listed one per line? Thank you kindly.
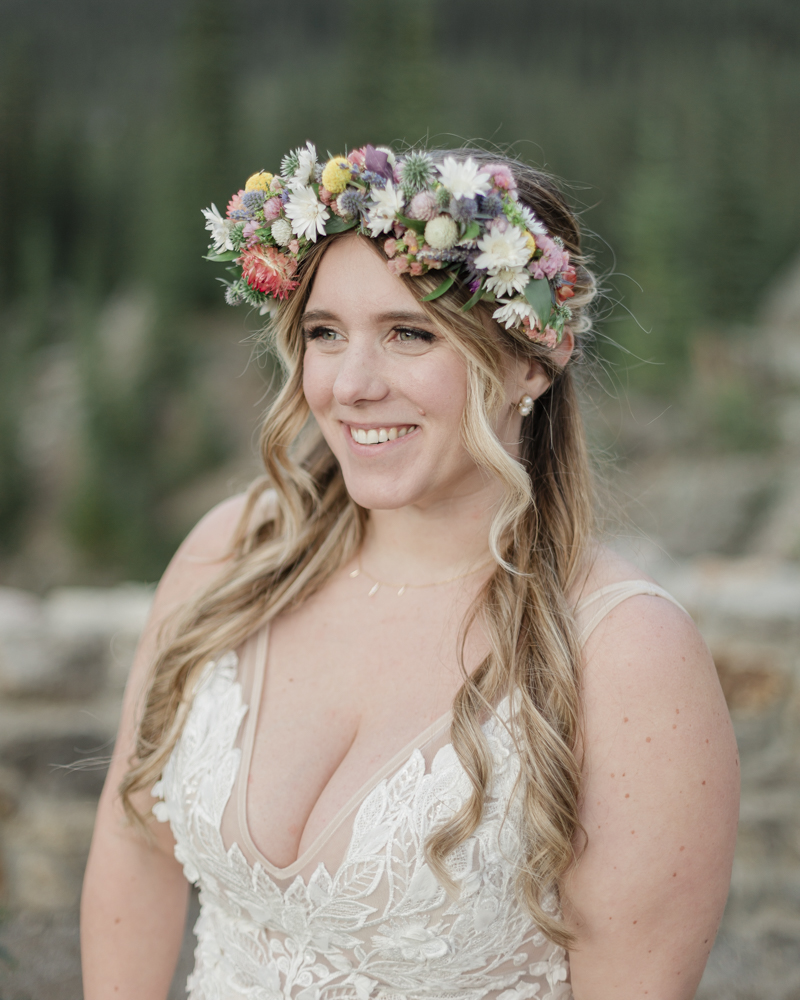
(457, 216)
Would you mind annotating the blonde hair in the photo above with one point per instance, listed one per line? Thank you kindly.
(540, 538)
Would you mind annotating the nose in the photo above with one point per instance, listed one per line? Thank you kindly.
(360, 377)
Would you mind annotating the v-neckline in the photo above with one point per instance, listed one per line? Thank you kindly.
(251, 722)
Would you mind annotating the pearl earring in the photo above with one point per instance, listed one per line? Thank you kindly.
(525, 406)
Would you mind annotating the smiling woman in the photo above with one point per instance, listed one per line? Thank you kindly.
(413, 732)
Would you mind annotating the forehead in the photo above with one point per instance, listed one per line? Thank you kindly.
(353, 280)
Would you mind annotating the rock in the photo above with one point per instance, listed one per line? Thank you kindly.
(72, 643)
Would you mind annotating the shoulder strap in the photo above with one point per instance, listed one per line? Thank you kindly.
(593, 609)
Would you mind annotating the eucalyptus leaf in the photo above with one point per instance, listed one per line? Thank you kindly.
(336, 224)
(538, 294)
(440, 289)
(228, 255)
(418, 225)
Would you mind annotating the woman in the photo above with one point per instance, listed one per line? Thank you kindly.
(410, 728)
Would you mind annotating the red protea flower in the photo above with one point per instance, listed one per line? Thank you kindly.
(269, 271)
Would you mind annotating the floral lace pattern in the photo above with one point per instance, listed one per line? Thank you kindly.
(378, 928)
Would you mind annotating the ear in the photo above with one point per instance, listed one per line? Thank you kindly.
(533, 380)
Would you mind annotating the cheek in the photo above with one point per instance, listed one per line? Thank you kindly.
(318, 379)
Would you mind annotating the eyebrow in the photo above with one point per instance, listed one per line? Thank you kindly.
(400, 316)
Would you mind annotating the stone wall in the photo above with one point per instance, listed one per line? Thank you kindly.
(63, 663)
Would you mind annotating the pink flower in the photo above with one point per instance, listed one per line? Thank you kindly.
(357, 158)
(294, 246)
(398, 229)
(553, 259)
(390, 247)
(416, 267)
(397, 265)
(325, 196)
(236, 204)
(411, 241)
(501, 175)
(250, 228)
(423, 206)
(268, 271)
(272, 209)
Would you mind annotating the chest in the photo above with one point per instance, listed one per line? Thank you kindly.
(347, 680)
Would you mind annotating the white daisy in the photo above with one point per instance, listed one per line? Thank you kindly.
(307, 213)
(508, 280)
(306, 161)
(385, 205)
(281, 232)
(512, 312)
(219, 228)
(502, 248)
(532, 223)
(463, 178)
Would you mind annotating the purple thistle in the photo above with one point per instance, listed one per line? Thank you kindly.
(373, 178)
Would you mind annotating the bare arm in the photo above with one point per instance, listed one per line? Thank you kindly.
(659, 806)
(134, 899)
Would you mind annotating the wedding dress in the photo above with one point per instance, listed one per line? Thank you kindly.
(359, 915)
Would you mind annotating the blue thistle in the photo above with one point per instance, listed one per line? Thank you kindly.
(352, 203)
(446, 256)
(463, 210)
(253, 199)
(417, 172)
(490, 204)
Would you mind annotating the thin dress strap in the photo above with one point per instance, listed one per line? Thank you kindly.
(603, 601)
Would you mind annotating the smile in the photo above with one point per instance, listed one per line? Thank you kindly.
(377, 435)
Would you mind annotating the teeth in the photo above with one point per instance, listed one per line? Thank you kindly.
(377, 435)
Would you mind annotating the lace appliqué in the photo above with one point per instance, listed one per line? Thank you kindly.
(380, 927)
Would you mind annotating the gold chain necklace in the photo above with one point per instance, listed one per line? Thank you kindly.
(402, 587)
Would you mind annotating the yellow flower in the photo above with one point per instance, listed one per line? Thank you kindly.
(531, 244)
(336, 174)
(258, 182)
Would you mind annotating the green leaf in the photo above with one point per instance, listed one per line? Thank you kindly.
(473, 301)
(336, 224)
(472, 232)
(418, 225)
(228, 255)
(440, 289)
(538, 294)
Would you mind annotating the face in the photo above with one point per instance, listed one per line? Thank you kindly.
(386, 388)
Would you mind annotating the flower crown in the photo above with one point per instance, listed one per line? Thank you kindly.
(457, 216)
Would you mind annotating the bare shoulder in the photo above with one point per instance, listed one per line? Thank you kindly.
(208, 548)
(659, 800)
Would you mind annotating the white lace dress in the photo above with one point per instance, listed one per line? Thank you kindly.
(359, 915)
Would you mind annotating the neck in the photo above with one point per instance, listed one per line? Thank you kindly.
(423, 544)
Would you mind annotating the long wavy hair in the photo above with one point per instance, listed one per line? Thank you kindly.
(540, 538)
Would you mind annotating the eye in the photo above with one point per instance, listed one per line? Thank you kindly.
(409, 335)
(324, 333)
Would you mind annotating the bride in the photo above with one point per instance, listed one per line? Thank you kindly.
(411, 730)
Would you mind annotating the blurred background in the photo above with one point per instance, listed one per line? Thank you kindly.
(130, 396)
